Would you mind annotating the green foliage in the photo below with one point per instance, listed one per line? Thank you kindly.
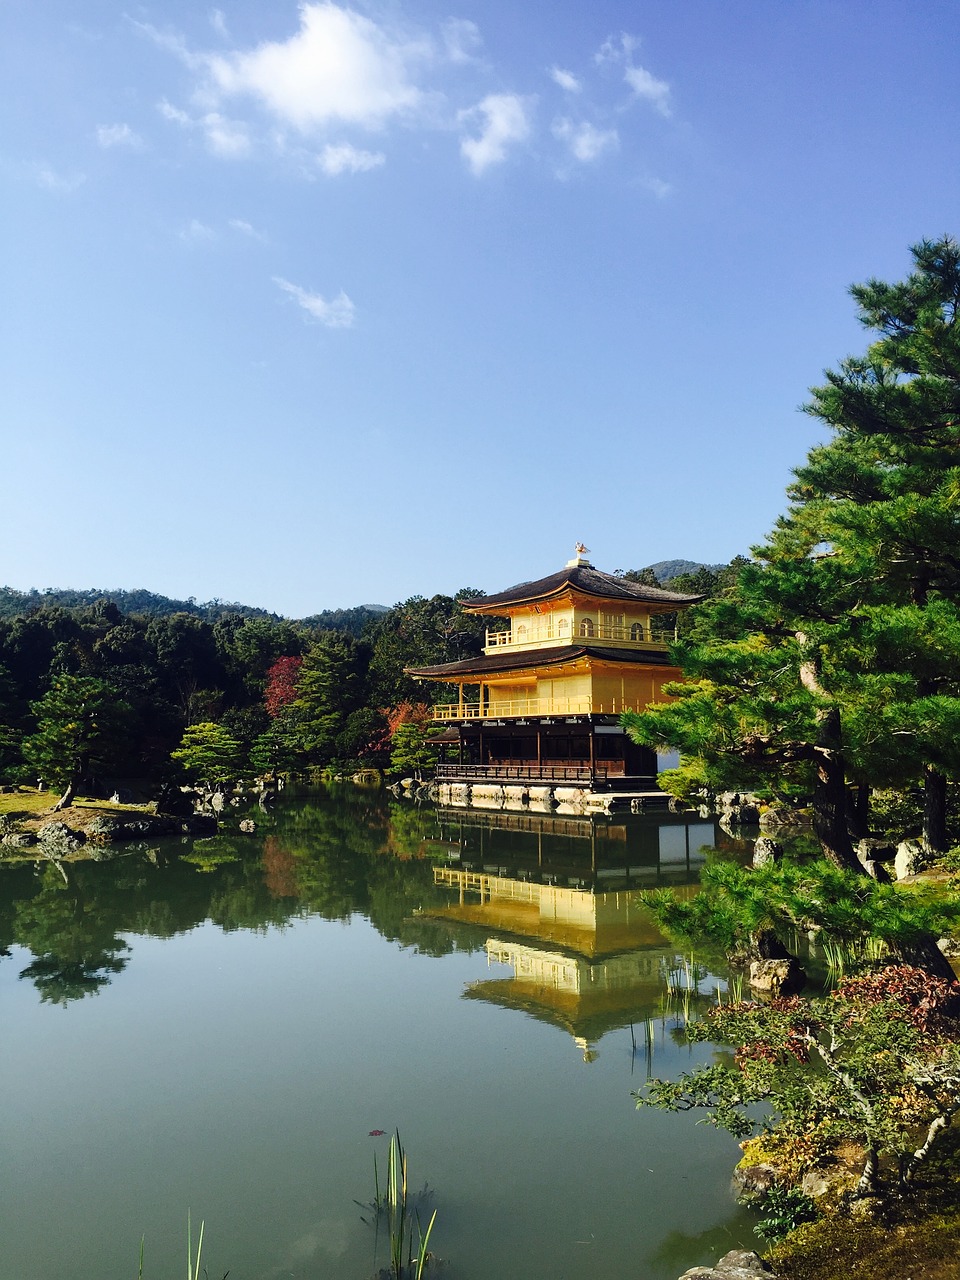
(876, 1063)
(783, 1209)
(209, 754)
(835, 654)
(736, 903)
(412, 750)
(80, 725)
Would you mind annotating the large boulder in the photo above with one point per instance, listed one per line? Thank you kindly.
(775, 978)
(766, 850)
(910, 859)
(738, 1264)
(56, 838)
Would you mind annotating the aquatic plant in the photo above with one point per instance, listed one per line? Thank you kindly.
(409, 1256)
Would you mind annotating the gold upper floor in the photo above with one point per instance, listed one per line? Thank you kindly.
(556, 627)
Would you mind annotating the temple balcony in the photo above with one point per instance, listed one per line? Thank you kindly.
(634, 636)
(493, 708)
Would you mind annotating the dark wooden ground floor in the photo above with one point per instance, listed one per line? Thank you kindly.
(584, 750)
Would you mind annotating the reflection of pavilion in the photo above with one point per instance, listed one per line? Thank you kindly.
(598, 851)
(586, 962)
(584, 998)
(557, 898)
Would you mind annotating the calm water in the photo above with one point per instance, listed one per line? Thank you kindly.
(219, 1024)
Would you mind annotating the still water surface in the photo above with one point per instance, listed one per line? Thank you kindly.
(219, 1024)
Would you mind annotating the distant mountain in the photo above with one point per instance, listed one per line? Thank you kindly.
(150, 604)
(139, 601)
(664, 570)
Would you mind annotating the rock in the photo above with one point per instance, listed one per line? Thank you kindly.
(57, 836)
(248, 826)
(777, 817)
(875, 870)
(878, 850)
(817, 1183)
(776, 977)
(738, 1264)
(910, 859)
(752, 1180)
(19, 839)
(201, 824)
(949, 946)
(766, 850)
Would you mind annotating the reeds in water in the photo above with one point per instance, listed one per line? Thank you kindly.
(408, 1242)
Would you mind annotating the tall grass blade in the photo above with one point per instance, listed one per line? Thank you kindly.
(424, 1242)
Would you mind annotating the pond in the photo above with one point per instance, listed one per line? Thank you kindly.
(222, 1025)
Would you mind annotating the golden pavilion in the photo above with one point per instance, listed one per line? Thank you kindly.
(542, 703)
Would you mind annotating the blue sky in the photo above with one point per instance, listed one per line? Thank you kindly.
(311, 306)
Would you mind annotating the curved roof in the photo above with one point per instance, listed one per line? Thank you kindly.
(585, 579)
(507, 661)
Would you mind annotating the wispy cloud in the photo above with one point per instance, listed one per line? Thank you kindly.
(197, 232)
(335, 313)
(62, 183)
(643, 83)
(658, 187)
(585, 141)
(461, 39)
(343, 157)
(225, 137)
(118, 135)
(504, 120)
(172, 42)
(565, 79)
(219, 23)
(247, 229)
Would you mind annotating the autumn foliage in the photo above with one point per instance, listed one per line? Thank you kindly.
(281, 686)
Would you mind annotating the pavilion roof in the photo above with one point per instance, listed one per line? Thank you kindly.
(487, 663)
(585, 579)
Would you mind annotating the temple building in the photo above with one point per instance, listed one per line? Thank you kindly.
(542, 703)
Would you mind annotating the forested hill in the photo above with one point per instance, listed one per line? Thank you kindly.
(148, 604)
(666, 570)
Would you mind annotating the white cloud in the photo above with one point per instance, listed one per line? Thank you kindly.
(170, 112)
(504, 121)
(61, 183)
(172, 43)
(659, 188)
(225, 137)
(461, 39)
(565, 79)
(339, 67)
(343, 157)
(247, 229)
(585, 141)
(337, 313)
(118, 135)
(618, 49)
(219, 23)
(643, 84)
(197, 232)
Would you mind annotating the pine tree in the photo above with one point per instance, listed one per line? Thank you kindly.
(836, 656)
(80, 724)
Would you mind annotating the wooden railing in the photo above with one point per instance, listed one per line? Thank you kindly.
(552, 772)
(496, 708)
(634, 634)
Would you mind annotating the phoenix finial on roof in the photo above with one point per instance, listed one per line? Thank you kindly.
(581, 549)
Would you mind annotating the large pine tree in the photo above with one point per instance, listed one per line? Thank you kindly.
(836, 657)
